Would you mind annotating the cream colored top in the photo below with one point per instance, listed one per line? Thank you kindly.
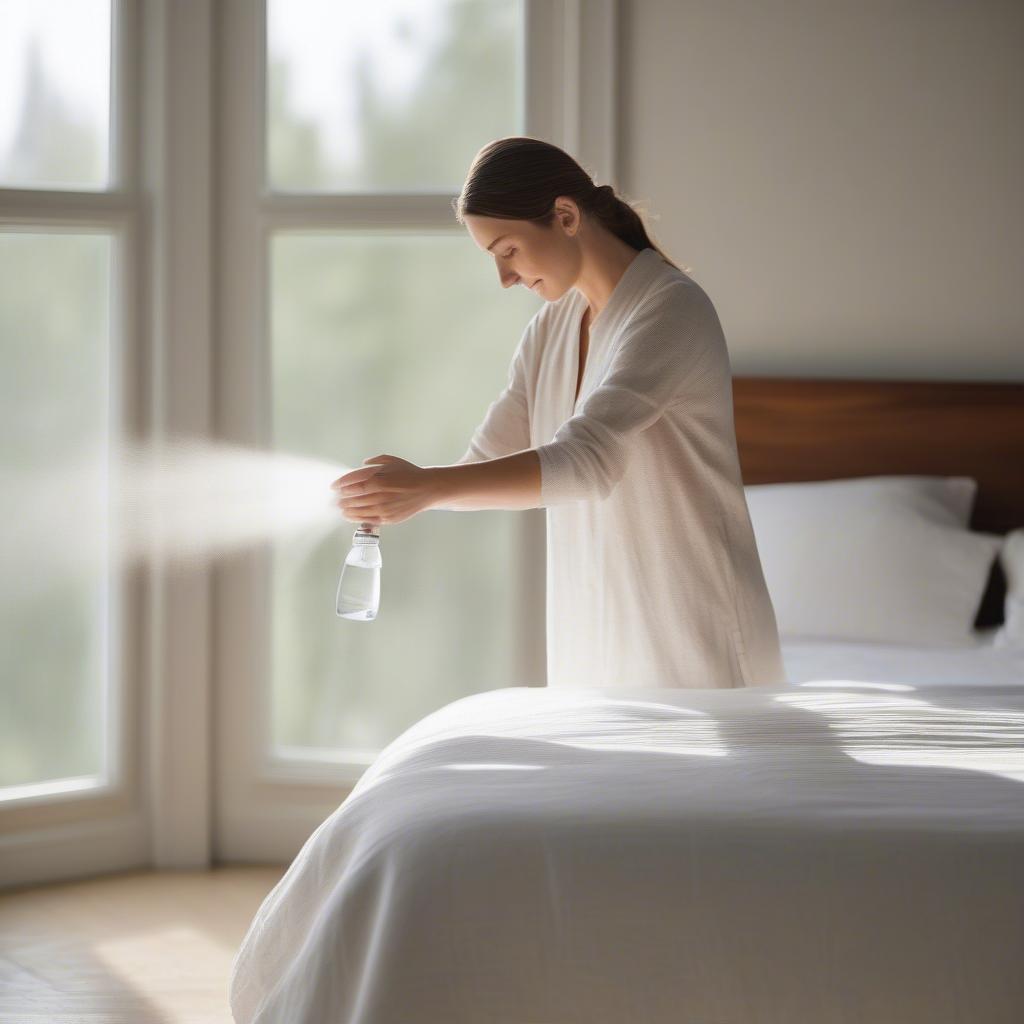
(653, 574)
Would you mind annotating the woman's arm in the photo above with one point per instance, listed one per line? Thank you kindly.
(391, 489)
(510, 482)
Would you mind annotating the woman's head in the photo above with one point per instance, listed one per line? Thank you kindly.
(534, 208)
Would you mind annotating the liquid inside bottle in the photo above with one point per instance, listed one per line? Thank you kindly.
(359, 586)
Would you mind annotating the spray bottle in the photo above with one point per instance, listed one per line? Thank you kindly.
(359, 586)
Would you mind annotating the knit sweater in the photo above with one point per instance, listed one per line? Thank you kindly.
(653, 574)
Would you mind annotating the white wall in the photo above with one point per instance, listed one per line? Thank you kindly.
(844, 177)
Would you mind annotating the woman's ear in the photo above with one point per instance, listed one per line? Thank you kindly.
(568, 214)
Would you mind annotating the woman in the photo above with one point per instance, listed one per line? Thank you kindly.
(617, 419)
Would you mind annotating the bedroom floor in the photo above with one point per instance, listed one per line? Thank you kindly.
(146, 947)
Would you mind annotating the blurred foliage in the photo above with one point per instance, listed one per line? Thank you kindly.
(418, 139)
(54, 397)
(55, 144)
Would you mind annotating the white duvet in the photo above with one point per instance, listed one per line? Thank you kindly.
(835, 851)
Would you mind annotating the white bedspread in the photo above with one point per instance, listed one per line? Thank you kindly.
(829, 853)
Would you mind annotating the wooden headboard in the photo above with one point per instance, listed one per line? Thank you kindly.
(790, 429)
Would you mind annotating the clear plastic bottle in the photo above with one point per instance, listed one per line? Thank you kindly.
(359, 586)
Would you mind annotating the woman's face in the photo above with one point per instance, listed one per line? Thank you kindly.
(545, 260)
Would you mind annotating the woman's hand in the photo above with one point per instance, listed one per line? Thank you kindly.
(390, 491)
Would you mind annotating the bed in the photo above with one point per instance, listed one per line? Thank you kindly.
(846, 848)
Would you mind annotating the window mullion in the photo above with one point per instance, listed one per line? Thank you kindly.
(370, 211)
(41, 206)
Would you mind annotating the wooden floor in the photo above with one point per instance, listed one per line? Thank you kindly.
(139, 948)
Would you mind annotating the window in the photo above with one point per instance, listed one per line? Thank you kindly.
(387, 337)
(359, 317)
(65, 225)
(54, 391)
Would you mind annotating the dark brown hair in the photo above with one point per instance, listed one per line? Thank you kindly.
(519, 178)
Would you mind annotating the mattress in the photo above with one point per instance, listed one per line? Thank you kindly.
(982, 664)
(849, 848)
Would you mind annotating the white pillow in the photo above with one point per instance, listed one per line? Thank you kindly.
(1011, 557)
(878, 558)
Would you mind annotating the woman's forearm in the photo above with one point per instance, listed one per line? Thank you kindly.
(511, 482)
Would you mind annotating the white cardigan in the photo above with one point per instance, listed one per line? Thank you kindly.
(653, 575)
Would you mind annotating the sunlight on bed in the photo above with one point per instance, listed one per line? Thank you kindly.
(874, 728)
(591, 722)
(687, 733)
(851, 684)
(601, 723)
